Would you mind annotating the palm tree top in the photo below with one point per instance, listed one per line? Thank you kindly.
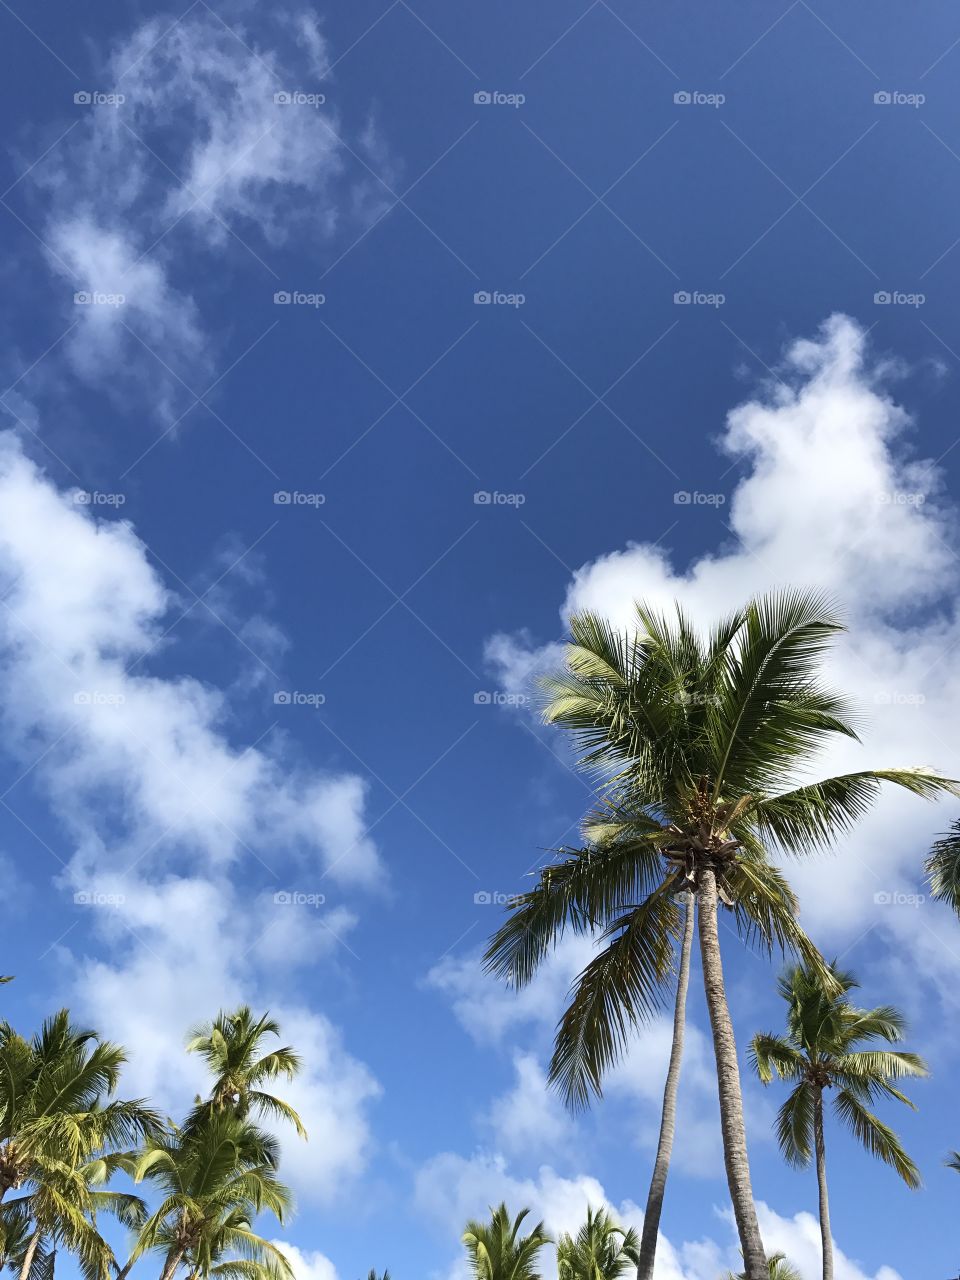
(497, 1250)
(701, 743)
(831, 1044)
(232, 1045)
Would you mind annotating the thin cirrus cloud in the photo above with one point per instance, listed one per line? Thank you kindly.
(219, 146)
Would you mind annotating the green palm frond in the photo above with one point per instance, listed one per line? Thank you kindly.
(943, 868)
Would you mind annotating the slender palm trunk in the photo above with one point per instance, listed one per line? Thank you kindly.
(728, 1083)
(171, 1262)
(668, 1119)
(29, 1255)
(825, 1234)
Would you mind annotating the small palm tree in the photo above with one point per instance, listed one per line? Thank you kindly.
(601, 1250)
(780, 1269)
(699, 743)
(819, 1052)
(372, 1275)
(232, 1047)
(214, 1178)
(497, 1250)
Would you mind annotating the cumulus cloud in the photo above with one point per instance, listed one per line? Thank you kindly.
(161, 803)
(835, 499)
(84, 611)
(452, 1188)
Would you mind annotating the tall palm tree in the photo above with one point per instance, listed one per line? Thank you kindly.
(601, 1250)
(232, 1047)
(819, 1052)
(699, 743)
(214, 1177)
(497, 1250)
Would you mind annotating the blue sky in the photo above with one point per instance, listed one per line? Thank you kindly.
(211, 696)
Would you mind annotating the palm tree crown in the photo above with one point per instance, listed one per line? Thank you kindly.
(831, 1044)
(699, 743)
(601, 1250)
(214, 1178)
(232, 1047)
(497, 1250)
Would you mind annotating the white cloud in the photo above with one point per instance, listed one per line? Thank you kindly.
(451, 1188)
(142, 773)
(307, 1264)
(203, 154)
(529, 1117)
(833, 500)
(83, 608)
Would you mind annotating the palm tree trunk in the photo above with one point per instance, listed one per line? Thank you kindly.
(825, 1234)
(728, 1084)
(668, 1118)
(28, 1256)
(171, 1262)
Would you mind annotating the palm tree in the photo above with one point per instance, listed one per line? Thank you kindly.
(497, 1250)
(214, 1177)
(62, 1209)
(232, 1047)
(820, 1051)
(372, 1275)
(61, 1139)
(699, 744)
(602, 1250)
(56, 1107)
(779, 1269)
